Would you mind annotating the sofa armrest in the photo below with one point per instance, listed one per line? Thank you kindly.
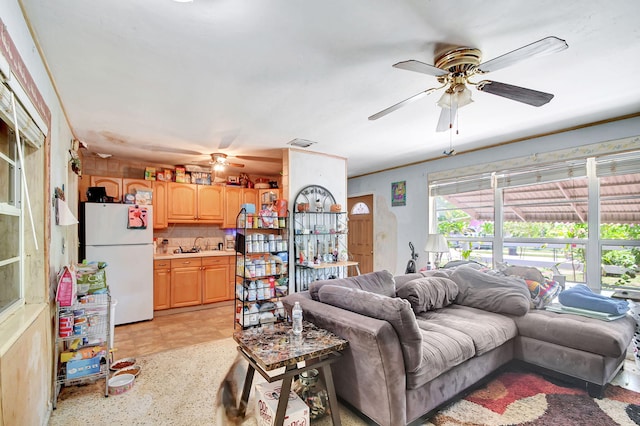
(370, 375)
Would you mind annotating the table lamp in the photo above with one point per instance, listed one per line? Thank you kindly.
(436, 243)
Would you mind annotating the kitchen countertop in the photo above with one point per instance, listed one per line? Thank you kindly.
(203, 253)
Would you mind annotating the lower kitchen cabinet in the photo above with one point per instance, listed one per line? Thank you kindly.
(192, 281)
(186, 282)
(161, 284)
(216, 284)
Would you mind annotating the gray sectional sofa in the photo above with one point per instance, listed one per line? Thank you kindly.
(416, 341)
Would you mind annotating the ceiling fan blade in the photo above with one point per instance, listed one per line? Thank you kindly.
(538, 48)
(520, 94)
(417, 66)
(258, 158)
(447, 118)
(236, 165)
(400, 104)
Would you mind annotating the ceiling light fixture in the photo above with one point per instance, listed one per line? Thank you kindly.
(300, 143)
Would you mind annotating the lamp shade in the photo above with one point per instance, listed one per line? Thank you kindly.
(436, 243)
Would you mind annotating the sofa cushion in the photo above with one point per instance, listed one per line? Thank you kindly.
(487, 330)
(428, 293)
(442, 349)
(394, 310)
(607, 338)
(506, 295)
(379, 282)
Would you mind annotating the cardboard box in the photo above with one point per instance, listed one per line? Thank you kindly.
(83, 367)
(267, 395)
(181, 175)
(150, 173)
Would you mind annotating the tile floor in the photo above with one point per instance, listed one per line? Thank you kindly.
(170, 331)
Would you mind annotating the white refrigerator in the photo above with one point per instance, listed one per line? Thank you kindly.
(128, 251)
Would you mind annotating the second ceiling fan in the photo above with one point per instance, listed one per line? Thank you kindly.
(455, 67)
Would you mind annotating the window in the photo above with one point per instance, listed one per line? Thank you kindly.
(464, 212)
(10, 221)
(573, 217)
(619, 189)
(360, 208)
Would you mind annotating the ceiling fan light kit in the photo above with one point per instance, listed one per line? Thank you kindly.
(453, 69)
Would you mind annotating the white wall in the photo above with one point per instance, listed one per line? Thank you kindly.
(411, 221)
(303, 168)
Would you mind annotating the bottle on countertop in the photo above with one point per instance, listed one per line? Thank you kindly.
(296, 316)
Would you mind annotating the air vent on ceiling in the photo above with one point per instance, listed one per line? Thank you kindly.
(301, 143)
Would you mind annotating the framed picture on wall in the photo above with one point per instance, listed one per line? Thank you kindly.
(399, 193)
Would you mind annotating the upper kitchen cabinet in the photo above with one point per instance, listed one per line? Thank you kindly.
(234, 198)
(130, 186)
(160, 219)
(210, 203)
(112, 185)
(267, 197)
(189, 203)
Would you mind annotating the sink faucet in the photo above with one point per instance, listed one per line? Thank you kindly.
(195, 242)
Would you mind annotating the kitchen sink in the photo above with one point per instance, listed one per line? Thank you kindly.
(183, 251)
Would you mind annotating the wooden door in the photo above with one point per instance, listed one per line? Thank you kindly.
(113, 186)
(210, 203)
(160, 219)
(215, 279)
(232, 202)
(161, 285)
(182, 202)
(186, 282)
(130, 186)
(360, 237)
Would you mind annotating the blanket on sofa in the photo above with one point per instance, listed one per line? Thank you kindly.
(581, 296)
(506, 295)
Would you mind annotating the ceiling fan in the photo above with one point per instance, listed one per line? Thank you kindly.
(219, 161)
(455, 67)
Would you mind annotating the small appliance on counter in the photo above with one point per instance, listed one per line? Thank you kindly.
(229, 243)
(98, 194)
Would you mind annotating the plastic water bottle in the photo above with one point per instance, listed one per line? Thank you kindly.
(296, 316)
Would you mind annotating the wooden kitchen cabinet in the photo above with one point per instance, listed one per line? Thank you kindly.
(234, 198)
(84, 182)
(113, 186)
(210, 203)
(186, 279)
(216, 282)
(130, 186)
(189, 203)
(160, 219)
(161, 284)
(249, 196)
(267, 197)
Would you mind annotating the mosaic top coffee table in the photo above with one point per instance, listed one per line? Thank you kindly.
(274, 347)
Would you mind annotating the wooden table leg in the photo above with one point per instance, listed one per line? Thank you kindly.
(331, 391)
(246, 390)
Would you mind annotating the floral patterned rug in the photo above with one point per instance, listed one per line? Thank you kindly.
(515, 398)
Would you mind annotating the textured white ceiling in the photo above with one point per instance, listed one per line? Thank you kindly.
(171, 82)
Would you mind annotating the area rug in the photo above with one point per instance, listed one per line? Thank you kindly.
(515, 398)
(179, 387)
